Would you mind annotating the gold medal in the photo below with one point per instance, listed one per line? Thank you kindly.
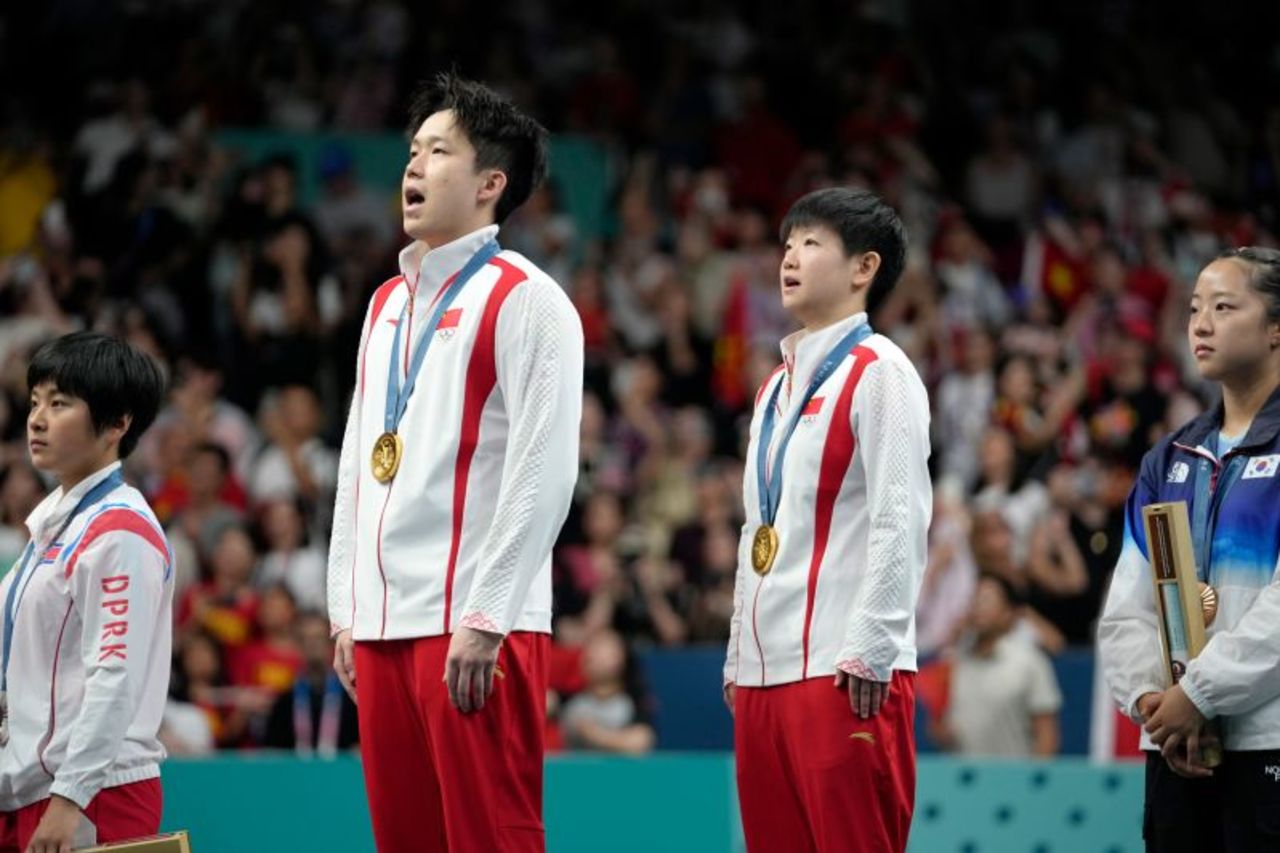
(763, 549)
(1208, 602)
(387, 451)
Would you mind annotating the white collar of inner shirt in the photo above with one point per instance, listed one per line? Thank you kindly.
(803, 351)
(54, 509)
(438, 264)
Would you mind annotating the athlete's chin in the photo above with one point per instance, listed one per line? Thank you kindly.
(414, 228)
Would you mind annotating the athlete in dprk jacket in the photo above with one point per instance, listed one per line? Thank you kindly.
(87, 612)
(1225, 465)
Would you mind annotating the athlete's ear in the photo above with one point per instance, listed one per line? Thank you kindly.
(491, 188)
(115, 433)
(865, 267)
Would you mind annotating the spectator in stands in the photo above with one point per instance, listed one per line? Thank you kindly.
(1004, 486)
(295, 464)
(1004, 697)
(201, 511)
(607, 715)
(21, 489)
(225, 605)
(271, 661)
(1075, 546)
(963, 408)
(347, 208)
(950, 576)
(289, 558)
(315, 716)
(200, 681)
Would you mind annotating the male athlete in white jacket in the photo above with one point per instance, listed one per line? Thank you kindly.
(87, 612)
(821, 658)
(457, 468)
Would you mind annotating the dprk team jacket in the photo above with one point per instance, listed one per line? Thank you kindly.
(90, 647)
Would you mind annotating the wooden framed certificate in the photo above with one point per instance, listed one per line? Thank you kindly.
(175, 842)
(1183, 604)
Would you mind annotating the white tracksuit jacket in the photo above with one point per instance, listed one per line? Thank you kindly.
(853, 522)
(463, 534)
(92, 649)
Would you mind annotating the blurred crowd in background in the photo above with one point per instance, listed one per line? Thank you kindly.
(1064, 173)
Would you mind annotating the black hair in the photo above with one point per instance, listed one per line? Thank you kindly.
(1264, 278)
(864, 222)
(112, 377)
(217, 451)
(503, 136)
(1012, 595)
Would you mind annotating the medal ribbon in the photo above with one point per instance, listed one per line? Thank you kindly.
(770, 488)
(397, 397)
(14, 599)
(330, 711)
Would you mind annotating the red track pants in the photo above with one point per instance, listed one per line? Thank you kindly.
(441, 780)
(119, 813)
(814, 778)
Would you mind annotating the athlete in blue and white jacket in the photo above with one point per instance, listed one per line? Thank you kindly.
(1225, 465)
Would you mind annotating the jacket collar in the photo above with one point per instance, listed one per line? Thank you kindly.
(55, 508)
(1263, 431)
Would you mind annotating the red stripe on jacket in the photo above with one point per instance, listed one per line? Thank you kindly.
(482, 375)
(837, 454)
(114, 520)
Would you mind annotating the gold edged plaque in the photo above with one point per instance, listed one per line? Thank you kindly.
(1184, 604)
(764, 547)
(387, 452)
(175, 842)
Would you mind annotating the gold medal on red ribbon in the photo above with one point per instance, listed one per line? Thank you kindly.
(387, 451)
(763, 549)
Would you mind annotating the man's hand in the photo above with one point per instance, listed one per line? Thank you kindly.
(57, 829)
(470, 667)
(1175, 723)
(866, 697)
(344, 661)
(729, 690)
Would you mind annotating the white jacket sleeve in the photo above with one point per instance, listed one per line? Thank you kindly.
(539, 364)
(1239, 669)
(739, 594)
(342, 538)
(118, 589)
(891, 425)
(1128, 631)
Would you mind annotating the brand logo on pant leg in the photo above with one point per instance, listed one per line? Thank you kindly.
(1272, 770)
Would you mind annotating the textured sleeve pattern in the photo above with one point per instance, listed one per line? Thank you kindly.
(735, 622)
(539, 368)
(342, 539)
(891, 423)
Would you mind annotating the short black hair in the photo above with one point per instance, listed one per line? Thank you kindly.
(505, 138)
(112, 377)
(212, 448)
(1264, 278)
(864, 222)
(1012, 595)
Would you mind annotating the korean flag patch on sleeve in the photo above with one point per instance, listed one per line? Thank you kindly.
(1262, 466)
